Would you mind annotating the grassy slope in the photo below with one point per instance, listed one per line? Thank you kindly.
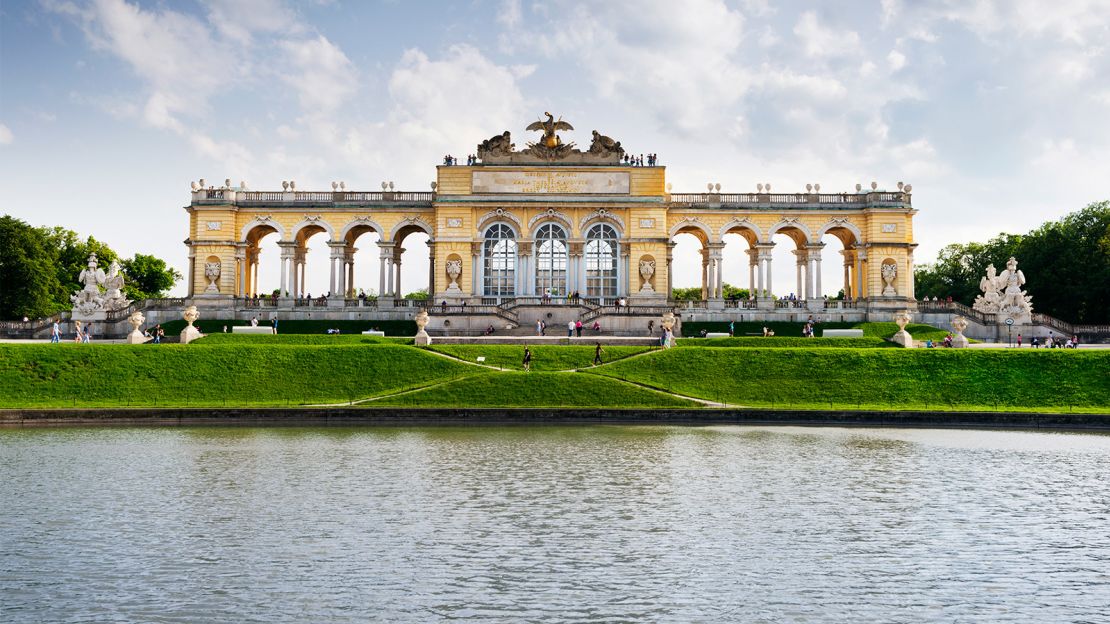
(778, 342)
(544, 357)
(535, 389)
(879, 378)
(46, 375)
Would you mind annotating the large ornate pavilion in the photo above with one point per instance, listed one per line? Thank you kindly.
(553, 220)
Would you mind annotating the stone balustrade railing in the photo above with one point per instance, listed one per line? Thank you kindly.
(314, 198)
(825, 201)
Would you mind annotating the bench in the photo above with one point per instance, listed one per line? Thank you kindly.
(717, 335)
(247, 329)
(842, 333)
(373, 332)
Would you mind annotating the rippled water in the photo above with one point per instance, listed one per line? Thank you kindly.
(731, 524)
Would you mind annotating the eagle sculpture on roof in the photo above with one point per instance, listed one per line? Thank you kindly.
(550, 140)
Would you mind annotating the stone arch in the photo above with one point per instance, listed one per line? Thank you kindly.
(315, 223)
(266, 221)
(498, 215)
(359, 226)
(601, 215)
(408, 225)
(744, 227)
(513, 224)
(550, 216)
(792, 223)
(692, 225)
(840, 223)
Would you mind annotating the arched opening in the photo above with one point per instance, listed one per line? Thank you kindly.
(412, 263)
(689, 260)
(499, 261)
(602, 257)
(790, 251)
(837, 264)
(551, 260)
(366, 267)
(303, 281)
(739, 258)
(262, 247)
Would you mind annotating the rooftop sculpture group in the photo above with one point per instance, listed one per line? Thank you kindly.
(499, 149)
(1002, 294)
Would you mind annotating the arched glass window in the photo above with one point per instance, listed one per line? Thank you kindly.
(601, 261)
(499, 257)
(551, 260)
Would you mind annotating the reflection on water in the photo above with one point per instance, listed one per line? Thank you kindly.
(553, 523)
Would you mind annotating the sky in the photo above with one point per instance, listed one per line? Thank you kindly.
(995, 111)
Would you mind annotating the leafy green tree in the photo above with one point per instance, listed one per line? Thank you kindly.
(28, 283)
(147, 277)
(1066, 263)
(418, 295)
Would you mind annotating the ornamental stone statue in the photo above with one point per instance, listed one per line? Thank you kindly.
(90, 303)
(903, 337)
(959, 341)
(190, 333)
(454, 270)
(136, 321)
(1002, 295)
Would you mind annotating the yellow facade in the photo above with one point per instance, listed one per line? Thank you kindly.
(875, 227)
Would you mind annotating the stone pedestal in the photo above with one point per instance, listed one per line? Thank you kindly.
(903, 338)
(137, 337)
(190, 334)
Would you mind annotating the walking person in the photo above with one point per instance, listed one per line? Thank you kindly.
(87, 336)
(1019, 341)
(597, 354)
(570, 329)
(158, 333)
(578, 327)
(55, 333)
(77, 333)
(539, 327)
(527, 359)
(651, 326)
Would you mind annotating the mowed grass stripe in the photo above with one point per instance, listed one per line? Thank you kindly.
(65, 375)
(879, 378)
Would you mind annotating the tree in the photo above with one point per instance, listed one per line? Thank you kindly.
(27, 282)
(418, 295)
(147, 277)
(1066, 263)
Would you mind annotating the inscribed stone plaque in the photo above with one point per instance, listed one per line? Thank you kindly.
(890, 228)
(563, 182)
(647, 223)
(454, 222)
(214, 225)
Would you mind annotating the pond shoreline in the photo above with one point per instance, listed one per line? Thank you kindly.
(256, 416)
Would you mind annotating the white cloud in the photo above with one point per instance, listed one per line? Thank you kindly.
(819, 41)
(896, 60)
(6, 136)
(323, 75)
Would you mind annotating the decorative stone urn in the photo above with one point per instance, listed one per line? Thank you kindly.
(136, 321)
(190, 333)
(889, 272)
(668, 322)
(212, 273)
(903, 337)
(959, 341)
(647, 269)
(422, 337)
(454, 271)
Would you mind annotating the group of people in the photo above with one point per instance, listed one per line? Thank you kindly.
(83, 333)
(451, 161)
(635, 161)
(573, 327)
(526, 363)
(1052, 342)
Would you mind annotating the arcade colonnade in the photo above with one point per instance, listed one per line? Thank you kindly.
(605, 231)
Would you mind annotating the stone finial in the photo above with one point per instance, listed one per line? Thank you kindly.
(194, 186)
(859, 187)
(334, 185)
(759, 188)
(874, 185)
(717, 187)
(900, 185)
(767, 186)
(809, 188)
(190, 333)
(908, 188)
(292, 185)
(816, 187)
(285, 185)
(342, 185)
(227, 182)
(242, 185)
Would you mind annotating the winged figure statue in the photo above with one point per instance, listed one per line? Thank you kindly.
(550, 140)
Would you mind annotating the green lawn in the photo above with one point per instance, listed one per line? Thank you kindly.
(45, 375)
(880, 378)
(794, 330)
(320, 327)
(535, 389)
(544, 357)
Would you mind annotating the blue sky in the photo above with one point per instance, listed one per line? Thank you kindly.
(995, 111)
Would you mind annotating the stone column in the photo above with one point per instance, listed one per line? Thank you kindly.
(432, 272)
(815, 254)
(241, 261)
(803, 273)
(477, 289)
(670, 270)
(331, 263)
(254, 270)
(704, 274)
(287, 249)
(396, 288)
(753, 260)
(861, 274)
(770, 289)
(758, 259)
(383, 270)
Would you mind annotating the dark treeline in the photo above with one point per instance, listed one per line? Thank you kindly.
(39, 268)
(1066, 265)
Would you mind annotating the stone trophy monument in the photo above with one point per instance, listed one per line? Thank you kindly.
(136, 321)
(90, 303)
(903, 337)
(422, 338)
(1003, 296)
(190, 333)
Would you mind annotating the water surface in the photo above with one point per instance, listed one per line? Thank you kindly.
(534, 523)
